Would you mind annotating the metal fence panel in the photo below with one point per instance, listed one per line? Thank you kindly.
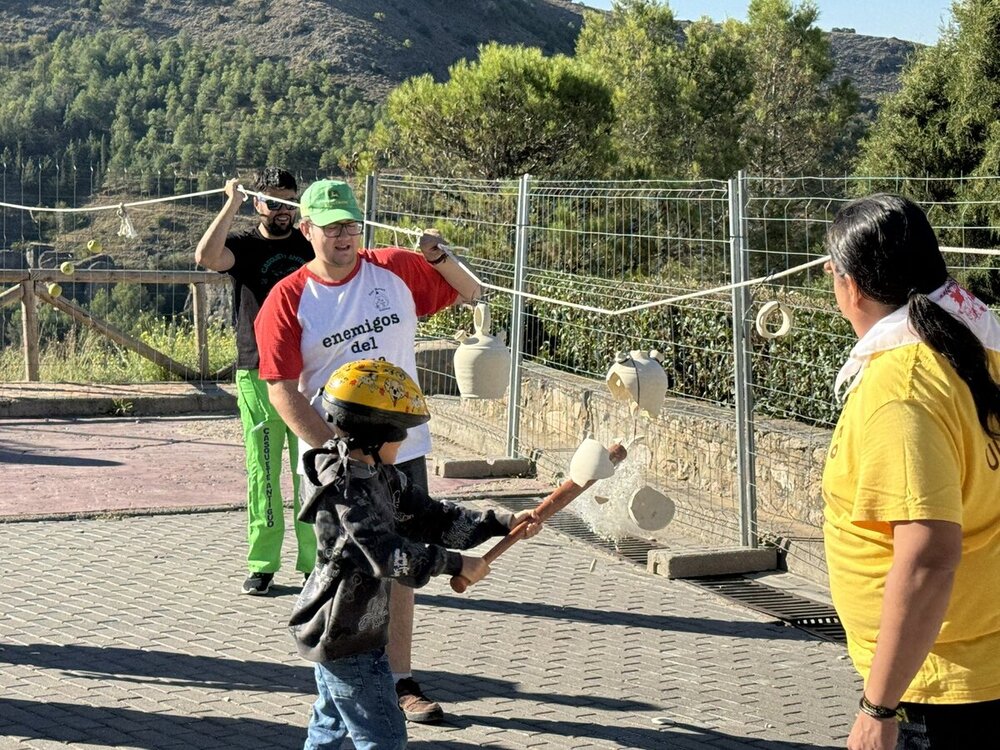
(792, 376)
(602, 247)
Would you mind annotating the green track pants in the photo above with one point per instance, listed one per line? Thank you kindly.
(264, 436)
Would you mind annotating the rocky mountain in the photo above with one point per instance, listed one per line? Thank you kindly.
(873, 63)
(375, 44)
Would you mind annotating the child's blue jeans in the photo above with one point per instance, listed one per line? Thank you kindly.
(358, 698)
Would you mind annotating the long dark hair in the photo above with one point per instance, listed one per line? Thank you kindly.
(886, 244)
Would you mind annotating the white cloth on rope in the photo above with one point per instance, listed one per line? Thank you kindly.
(894, 331)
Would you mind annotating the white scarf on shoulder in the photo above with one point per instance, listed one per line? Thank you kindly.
(894, 331)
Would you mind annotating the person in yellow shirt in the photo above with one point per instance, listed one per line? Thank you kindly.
(911, 485)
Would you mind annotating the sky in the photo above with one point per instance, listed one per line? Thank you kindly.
(913, 20)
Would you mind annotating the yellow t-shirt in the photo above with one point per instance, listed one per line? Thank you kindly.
(908, 446)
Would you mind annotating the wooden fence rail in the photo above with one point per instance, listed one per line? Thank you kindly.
(29, 288)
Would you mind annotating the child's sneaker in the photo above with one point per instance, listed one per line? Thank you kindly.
(416, 706)
(257, 584)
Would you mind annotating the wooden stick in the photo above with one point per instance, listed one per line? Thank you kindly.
(563, 495)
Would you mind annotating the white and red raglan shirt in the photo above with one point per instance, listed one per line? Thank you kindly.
(308, 327)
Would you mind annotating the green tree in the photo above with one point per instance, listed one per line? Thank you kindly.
(711, 99)
(512, 111)
(134, 103)
(634, 48)
(714, 89)
(943, 120)
(794, 115)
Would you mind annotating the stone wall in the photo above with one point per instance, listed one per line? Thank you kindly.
(691, 449)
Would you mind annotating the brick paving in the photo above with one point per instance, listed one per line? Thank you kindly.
(129, 632)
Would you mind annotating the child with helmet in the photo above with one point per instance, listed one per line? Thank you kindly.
(371, 527)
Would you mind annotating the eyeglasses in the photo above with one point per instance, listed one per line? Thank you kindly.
(273, 205)
(333, 231)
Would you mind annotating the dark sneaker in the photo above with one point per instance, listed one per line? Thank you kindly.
(415, 705)
(258, 584)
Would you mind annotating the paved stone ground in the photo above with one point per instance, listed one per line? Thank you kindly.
(130, 633)
(89, 466)
(127, 630)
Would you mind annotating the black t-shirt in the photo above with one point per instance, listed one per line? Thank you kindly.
(260, 264)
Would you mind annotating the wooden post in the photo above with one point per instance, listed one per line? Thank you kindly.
(29, 330)
(10, 295)
(199, 308)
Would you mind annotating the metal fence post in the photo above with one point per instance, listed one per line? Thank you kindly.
(517, 318)
(371, 209)
(746, 478)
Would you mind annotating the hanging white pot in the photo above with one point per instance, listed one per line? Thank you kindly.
(650, 509)
(591, 461)
(482, 361)
(639, 378)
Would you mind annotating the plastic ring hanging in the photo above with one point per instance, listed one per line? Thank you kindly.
(766, 312)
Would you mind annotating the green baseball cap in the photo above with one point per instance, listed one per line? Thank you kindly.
(329, 201)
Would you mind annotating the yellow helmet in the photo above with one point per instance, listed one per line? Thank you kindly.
(374, 401)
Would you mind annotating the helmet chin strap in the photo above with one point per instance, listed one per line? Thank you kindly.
(369, 449)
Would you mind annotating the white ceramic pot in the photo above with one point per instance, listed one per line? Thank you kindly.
(639, 378)
(482, 361)
(591, 461)
(650, 509)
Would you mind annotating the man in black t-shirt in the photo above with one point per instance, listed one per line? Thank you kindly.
(257, 259)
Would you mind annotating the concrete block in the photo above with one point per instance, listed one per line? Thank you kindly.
(711, 562)
(483, 468)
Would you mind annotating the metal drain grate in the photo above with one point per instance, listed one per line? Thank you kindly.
(631, 549)
(813, 617)
(798, 611)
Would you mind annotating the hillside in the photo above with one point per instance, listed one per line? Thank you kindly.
(375, 44)
(873, 63)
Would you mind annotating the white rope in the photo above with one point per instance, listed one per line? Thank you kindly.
(657, 303)
(482, 284)
(112, 207)
(607, 311)
(969, 250)
(399, 230)
(131, 204)
(668, 300)
(264, 197)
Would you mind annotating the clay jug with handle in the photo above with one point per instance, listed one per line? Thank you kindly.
(639, 378)
(482, 361)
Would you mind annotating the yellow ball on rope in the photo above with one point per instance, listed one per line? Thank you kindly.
(67, 268)
(54, 290)
(94, 246)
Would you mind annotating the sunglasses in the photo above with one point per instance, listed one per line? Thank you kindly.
(273, 205)
(333, 231)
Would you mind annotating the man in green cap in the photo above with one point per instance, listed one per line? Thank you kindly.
(346, 304)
